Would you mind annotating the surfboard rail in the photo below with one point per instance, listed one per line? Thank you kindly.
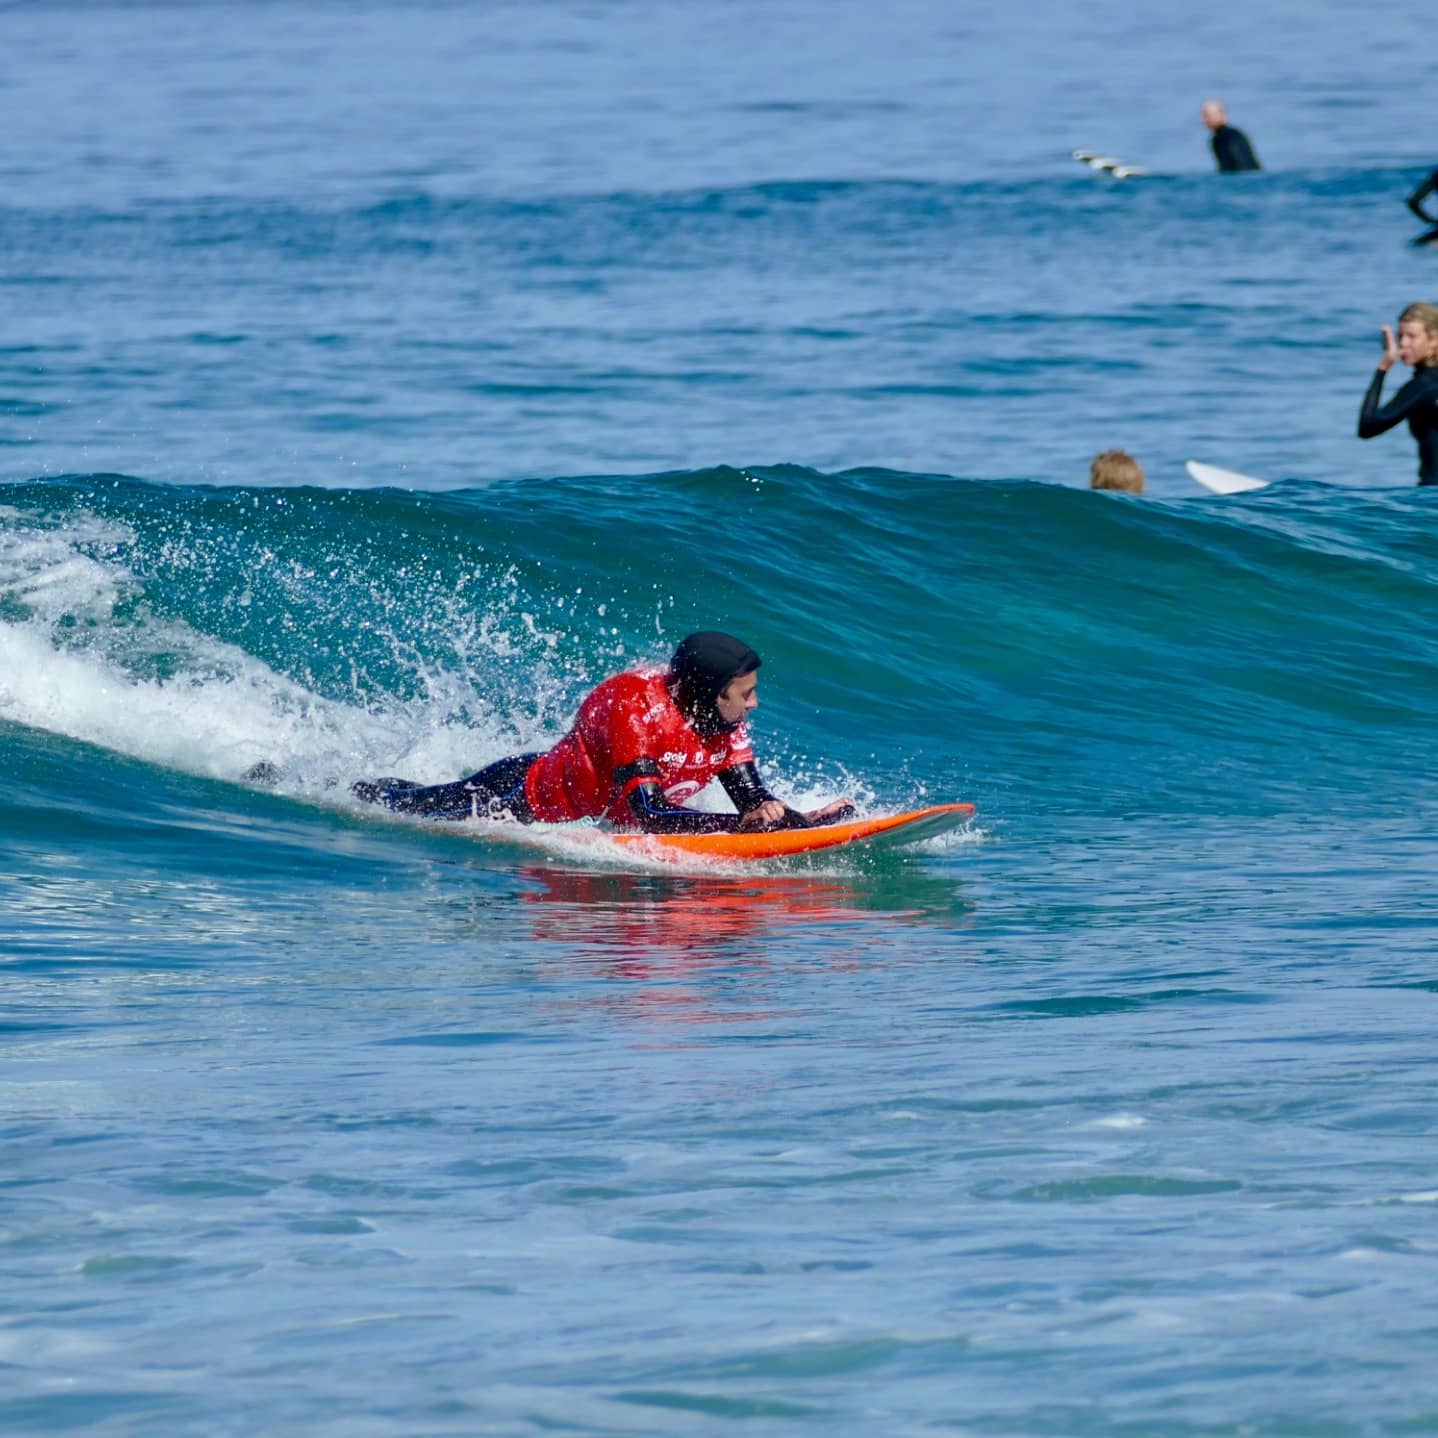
(911, 827)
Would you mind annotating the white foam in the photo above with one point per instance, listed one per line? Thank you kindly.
(216, 724)
(45, 572)
(69, 665)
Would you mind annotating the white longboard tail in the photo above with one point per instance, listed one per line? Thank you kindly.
(1223, 481)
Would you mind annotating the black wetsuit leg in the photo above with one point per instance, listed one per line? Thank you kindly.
(496, 789)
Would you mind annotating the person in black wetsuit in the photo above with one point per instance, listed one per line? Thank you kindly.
(643, 742)
(1415, 203)
(1230, 145)
(1417, 400)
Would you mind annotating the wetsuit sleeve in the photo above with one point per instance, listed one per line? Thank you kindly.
(744, 786)
(1415, 200)
(656, 815)
(1376, 418)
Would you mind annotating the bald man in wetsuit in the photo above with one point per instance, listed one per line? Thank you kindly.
(1230, 145)
(643, 742)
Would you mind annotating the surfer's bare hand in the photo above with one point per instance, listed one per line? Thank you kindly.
(769, 813)
(1390, 349)
(831, 813)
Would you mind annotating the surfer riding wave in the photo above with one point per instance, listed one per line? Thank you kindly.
(643, 742)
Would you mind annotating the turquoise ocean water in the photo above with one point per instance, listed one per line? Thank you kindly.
(373, 380)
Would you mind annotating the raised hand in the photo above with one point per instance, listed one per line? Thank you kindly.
(1390, 350)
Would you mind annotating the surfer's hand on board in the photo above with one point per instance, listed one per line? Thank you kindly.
(834, 813)
(769, 813)
(1390, 349)
(774, 815)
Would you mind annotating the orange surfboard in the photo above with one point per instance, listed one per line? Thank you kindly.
(890, 830)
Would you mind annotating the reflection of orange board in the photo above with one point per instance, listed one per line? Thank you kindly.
(892, 830)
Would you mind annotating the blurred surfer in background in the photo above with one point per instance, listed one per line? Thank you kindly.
(1425, 188)
(643, 743)
(1116, 469)
(1417, 400)
(1230, 145)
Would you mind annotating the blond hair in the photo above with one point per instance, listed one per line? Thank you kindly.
(1425, 314)
(1116, 469)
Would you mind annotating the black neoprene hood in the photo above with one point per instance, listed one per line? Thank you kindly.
(702, 667)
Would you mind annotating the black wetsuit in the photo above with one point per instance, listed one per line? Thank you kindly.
(1417, 402)
(1232, 151)
(1415, 203)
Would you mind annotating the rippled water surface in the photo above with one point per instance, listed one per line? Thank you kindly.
(375, 379)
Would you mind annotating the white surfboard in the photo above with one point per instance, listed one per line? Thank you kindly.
(1223, 481)
(1108, 165)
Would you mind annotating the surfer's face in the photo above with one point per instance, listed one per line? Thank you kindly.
(738, 698)
(1416, 346)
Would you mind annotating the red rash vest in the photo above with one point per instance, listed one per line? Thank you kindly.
(627, 718)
